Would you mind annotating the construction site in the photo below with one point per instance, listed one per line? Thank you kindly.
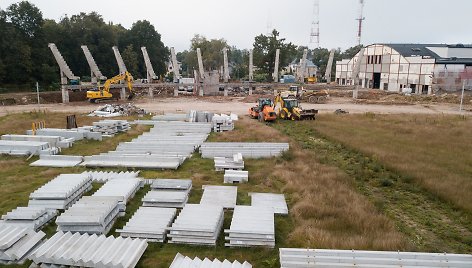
(309, 158)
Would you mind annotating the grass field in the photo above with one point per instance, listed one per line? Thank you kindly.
(334, 202)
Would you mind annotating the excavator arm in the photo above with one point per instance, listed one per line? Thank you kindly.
(104, 92)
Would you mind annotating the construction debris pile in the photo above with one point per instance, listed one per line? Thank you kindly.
(113, 110)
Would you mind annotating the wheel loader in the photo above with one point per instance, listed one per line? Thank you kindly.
(264, 110)
(290, 109)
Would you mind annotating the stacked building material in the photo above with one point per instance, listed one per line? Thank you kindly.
(222, 123)
(236, 162)
(91, 214)
(171, 117)
(58, 161)
(172, 184)
(66, 133)
(302, 257)
(236, 176)
(251, 226)
(28, 217)
(133, 161)
(54, 141)
(61, 192)
(197, 224)
(124, 189)
(83, 250)
(25, 148)
(275, 201)
(150, 223)
(110, 127)
(16, 243)
(221, 195)
(165, 199)
(247, 149)
(181, 261)
(104, 176)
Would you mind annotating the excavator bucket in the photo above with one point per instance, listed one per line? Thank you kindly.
(309, 114)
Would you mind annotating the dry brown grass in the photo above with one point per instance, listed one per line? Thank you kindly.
(435, 150)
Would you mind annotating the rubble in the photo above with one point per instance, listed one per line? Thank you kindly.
(112, 110)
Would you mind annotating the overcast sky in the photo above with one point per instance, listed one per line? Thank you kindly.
(239, 21)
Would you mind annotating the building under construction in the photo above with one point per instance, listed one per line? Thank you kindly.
(424, 68)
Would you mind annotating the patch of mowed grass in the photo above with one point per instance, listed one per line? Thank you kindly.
(429, 223)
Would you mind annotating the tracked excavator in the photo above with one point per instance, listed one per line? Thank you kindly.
(103, 93)
(290, 109)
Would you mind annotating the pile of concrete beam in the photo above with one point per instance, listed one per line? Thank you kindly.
(91, 214)
(149, 223)
(184, 185)
(25, 148)
(170, 193)
(58, 161)
(76, 133)
(171, 117)
(181, 261)
(251, 226)
(222, 195)
(124, 189)
(54, 141)
(302, 257)
(110, 127)
(236, 176)
(247, 149)
(83, 250)
(236, 162)
(222, 123)
(200, 116)
(166, 146)
(61, 192)
(275, 201)
(197, 224)
(16, 243)
(28, 217)
(104, 176)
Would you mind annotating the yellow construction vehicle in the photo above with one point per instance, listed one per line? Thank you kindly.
(103, 93)
(290, 109)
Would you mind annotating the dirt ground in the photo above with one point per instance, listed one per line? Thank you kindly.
(238, 106)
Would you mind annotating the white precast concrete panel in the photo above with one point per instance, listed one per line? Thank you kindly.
(221, 195)
(172, 184)
(181, 261)
(57, 161)
(165, 198)
(275, 201)
(16, 243)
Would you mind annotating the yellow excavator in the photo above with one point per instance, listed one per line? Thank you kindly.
(103, 93)
(290, 109)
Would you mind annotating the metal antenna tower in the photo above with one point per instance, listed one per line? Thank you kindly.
(315, 24)
(360, 19)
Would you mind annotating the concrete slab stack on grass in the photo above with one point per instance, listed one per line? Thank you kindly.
(58, 161)
(150, 223)
(236, 176)
(123, 188)
(221, 195)
(222, 163)
(247, 149)
(251, 226)
(275, 201)
(26, 148)
(16, 243)
(54, 141)
(172, 184)
(165, 199)
(104, 176)
(28, 217)
(181, 261)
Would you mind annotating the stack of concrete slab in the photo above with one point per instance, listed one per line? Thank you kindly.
(54, 141)
(110, 127)
(75, 133)
(181, 261)
(76, 250)
(28, 217)
(25, 148)
(221, 195)
(58, 161)
(236, 176)
(275, 201)
(247, 149)
(149, 223)
(197, 224)
(165, 199)
(236, 162)
(91, 214)
(251, 226)
(61, 192)
(16, 243)
(184, 185)
(104, 176)
(124, 189)
(302, 257)
(133, 161)
(171, 117)
(222, 123)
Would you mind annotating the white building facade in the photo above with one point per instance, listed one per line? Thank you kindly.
(393, 67)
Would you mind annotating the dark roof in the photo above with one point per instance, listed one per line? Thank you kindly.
(466, 61)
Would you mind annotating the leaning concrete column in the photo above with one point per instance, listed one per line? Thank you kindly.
(176, 91)
(151, 92)
(123, 93)
(65, 94)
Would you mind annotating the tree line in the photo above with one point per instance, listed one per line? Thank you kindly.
(26, 59)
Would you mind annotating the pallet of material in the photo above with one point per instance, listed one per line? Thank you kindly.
(197, 225)
(91, 214)
(28, 217)
(181, 261)
(17, 242)
(221, 195)
(302, 257)
(150, 223)
(236, 176)
(275, 201)
(58, 161)
(61, 192)
(165, 199)
(251, 226)
(84, 250)
(104, 176)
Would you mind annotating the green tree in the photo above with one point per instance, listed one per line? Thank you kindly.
(212, 52)
(130, 57)
(265, 49)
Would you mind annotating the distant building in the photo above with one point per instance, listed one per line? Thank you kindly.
(425, 68)
(311, 69)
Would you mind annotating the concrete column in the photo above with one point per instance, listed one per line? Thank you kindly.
(275, 92)
(250, 91)
(65, 94)
(151, 92)
(200, 92)
(176, 91)
(251, 76)
(275, 75)
(225, 92)
(123, 93)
